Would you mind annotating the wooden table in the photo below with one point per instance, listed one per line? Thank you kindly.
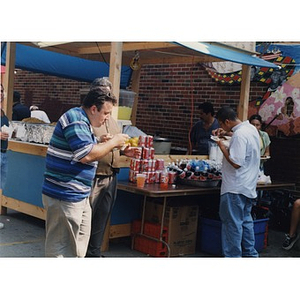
(154, 191)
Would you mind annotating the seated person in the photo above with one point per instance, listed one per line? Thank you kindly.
(202, 130)
(20, 111)
(292, 237)
(39, 114)
(265, 142)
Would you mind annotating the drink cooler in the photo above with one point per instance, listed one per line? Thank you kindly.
(209, 235)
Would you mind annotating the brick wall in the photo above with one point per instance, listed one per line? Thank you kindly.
(165, 105)
(168, 93)
(165, 98)
(53, 94)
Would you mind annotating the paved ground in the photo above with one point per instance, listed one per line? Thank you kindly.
(24, 236)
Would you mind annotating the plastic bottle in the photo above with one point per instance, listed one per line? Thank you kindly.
(188, 174)
(164, 179)
(181, 173)
(183, 164)
(196, 173)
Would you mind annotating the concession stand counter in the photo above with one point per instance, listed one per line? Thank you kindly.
(23, 191)
(27, 160)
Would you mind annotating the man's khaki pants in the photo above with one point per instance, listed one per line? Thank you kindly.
(68, 227)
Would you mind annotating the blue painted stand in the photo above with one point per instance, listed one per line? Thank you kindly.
(25, 180)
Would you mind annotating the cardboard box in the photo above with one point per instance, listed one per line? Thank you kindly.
(181, 221)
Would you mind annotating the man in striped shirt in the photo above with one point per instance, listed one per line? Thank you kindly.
(70, 169)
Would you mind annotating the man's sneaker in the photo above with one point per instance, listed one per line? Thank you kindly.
(290, 241)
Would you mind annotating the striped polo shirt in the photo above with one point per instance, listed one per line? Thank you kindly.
(66, 178)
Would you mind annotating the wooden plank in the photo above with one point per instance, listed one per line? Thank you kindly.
(41, 150)
(3, 209)
(115, 66)
(9, 78)
(244, 94)
(172, 158)
(28, 148)
(121, 230)
(113, 232)
(179, 60)
(245, 85)
(135, 46)
(23, 207)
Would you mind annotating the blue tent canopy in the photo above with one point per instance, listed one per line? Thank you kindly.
(62, 65)
(67, 66)
(228, 53)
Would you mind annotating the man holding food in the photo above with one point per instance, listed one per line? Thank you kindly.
(71, 163)
(240, 169)
(104, 190)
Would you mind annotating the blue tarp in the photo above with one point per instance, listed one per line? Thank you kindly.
(228, 53)
(61, 65)
(66, 66)
(288, 50)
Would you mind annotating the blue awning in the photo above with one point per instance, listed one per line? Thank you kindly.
(228, 53)
(67, 66)
(62, 65)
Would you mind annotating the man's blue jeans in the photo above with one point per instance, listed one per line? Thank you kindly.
(237, 226)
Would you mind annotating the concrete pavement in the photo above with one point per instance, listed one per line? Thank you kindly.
(24, 236)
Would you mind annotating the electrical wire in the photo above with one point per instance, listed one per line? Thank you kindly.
(101, 54)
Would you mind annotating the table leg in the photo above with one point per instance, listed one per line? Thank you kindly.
(161, 228)
(142, 222)
(162, 225)
(143, 214)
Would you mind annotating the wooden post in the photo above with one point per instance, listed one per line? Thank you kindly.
(3, 209)
(115, 72)
(115, 78)
(9, 77)
(135, 88)
(244, 95)
(245, 85)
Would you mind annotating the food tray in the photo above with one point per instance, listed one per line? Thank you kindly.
(199, 183)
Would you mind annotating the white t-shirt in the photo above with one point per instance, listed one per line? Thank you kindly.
(41, 115)
(244, 150)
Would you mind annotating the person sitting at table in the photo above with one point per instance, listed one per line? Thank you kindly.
(20, 111)
(202, 130)
(39, 114)
(265, 142)
(292, 237)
